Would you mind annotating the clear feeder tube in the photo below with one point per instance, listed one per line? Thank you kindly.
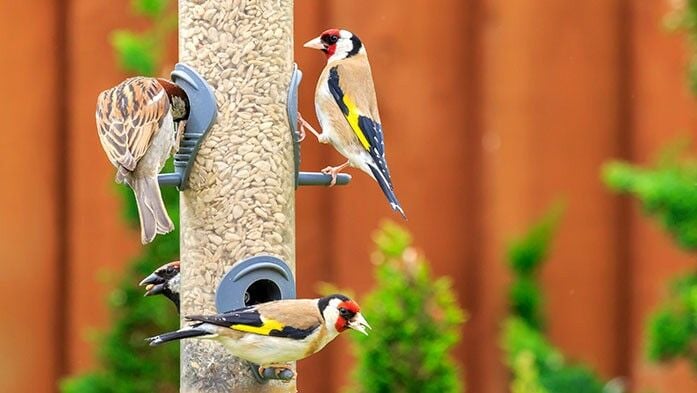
(241, 200)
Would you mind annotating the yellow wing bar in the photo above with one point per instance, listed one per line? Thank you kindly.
(264, 329)
(352, 117)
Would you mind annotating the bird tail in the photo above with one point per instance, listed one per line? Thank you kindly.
(387, 189)
(151, 209)
(187, 332)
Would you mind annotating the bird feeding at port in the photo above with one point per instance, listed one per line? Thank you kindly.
(347, 110)
(139, 123)
(276, 333)
(165, 281)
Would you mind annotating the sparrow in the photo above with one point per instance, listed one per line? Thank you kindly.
(164, 281)
(136, 126)
(276, 333)
(347, 110)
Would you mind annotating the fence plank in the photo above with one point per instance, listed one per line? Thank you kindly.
(29, 204)
(663, 110)
(551, 96)
(420, 73)
(100, 243)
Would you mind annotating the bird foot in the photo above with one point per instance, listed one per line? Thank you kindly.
(302, 126)
(283, 372)
(301, 130)
(333, 171)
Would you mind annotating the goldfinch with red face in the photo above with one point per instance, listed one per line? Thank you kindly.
(136, 127)
(347, 109)
(276, 333)
(164, 281)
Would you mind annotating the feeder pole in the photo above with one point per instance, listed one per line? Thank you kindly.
(240, 200)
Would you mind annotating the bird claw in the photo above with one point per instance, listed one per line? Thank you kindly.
(333, 171)
(281, 372)
(301, 130)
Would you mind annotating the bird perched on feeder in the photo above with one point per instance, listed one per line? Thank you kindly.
(164, 281)
(136, 126)
(347, 109)
(275, 333)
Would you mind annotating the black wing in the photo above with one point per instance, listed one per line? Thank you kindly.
(368, 131)
(249, 320)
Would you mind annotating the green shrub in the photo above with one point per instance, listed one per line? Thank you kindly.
(524, 257)
(667, 192)
(536, 365)
(672, 330)
(416, 321)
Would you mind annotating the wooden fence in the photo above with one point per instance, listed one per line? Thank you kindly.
(492, 110)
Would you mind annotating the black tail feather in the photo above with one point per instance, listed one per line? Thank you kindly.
(386, 187)
(178, 335)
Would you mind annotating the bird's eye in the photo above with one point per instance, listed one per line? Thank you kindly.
(345, 313)
(330, 39)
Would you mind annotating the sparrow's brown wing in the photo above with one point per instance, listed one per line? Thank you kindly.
(294, 319)
(128, 116)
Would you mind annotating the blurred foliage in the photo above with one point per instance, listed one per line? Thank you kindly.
(536, 365)
(667, 192)
(672, 330)
(418, 321)
(683, 18)
(524, 257)
(127, 363)
(141, 53)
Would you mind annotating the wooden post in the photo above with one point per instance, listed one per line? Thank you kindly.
(240, 201)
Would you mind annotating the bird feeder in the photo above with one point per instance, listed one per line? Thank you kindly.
(238, 179)
(202, 115)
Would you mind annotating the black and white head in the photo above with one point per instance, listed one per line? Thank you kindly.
(341, 313)
(164, 281)
(337, 44)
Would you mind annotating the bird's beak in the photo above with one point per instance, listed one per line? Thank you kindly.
(315, 44)
(359, 323)
(154, 289)
(154, 284)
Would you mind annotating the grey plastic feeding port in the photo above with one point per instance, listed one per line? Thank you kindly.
(255, 280)
(252, 281)
(202, 113)
(305, 178)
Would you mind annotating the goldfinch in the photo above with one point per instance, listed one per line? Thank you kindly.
(276, 333)
(164, 281)
(347, 109)
(136, 127)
